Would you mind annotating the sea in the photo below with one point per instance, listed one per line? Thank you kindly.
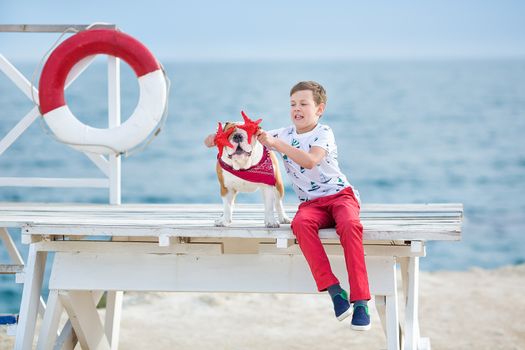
(428, 131)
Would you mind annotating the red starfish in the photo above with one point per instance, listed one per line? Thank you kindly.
(222, 138)
(249, 125)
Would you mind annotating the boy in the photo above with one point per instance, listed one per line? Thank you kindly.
(309, 152)
(310, 157)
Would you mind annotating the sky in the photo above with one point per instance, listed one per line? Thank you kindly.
(285, 30)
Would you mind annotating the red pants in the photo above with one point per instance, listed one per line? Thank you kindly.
(342, 210)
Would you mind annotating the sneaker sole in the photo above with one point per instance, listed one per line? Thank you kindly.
(361, 328)
(345, 314)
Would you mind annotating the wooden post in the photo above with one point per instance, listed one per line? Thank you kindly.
(67, 340)
(49, 327)
(114, 121)
(14, 254)
(114, 298)
(84, 317)
(412, 304)
(30, 298)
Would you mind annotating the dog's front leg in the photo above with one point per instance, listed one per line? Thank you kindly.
(269, 198)
(283, 218)
(227, 200)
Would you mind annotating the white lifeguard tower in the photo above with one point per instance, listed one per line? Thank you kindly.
(176, 247)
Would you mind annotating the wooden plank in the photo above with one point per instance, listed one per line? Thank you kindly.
(48, 28)
(19, 79)
(29, 305)
(392, 323)
(53, 182)
(337, 249)
(206, 224)
(420, 233)
(189, 222)
(226, 273)
(196, 221)
(85, 319)
(217, 207)
(211, 246)
(100, 161)
(67, 339)
(114, 119)
(49, 327)
(113, 316)
(9, 244)
(10, 269)
(388, 222)
(187, 217)
(410, 271)
(18, 129)
(114, 211)
(130, 247)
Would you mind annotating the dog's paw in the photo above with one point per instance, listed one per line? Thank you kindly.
(221, 222)
(285, 220)
(272, 224)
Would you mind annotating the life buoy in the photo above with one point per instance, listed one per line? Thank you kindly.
(144, 119)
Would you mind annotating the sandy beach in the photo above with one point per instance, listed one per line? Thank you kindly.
(476, 309)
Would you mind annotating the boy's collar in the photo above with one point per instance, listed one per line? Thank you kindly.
(306, 132)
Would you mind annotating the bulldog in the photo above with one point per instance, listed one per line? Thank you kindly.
(245, 165)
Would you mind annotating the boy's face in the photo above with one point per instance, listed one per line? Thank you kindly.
(304, 112)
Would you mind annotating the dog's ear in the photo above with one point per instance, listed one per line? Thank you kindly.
(229, 125)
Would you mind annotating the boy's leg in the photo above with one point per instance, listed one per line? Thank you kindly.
(305, 226)
(350, 230)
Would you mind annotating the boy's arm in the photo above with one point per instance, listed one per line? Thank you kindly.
(305, 159)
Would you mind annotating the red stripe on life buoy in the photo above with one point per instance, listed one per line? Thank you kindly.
(81, 45)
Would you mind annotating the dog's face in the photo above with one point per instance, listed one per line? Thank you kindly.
(241, 155)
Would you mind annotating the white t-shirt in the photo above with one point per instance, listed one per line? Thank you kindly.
(322, 180)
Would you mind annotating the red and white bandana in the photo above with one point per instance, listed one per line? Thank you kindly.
(262, 172)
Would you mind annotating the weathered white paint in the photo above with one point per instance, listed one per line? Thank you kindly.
(101, 162)
(114, 298)
(53, 182)
(84, 317)
(110, 168)
(113, 316)
(206, 258)
(192, 273)
(410, 271)
(198, 221)
(50, 28)
(18, 79)
(112, 171)
(18, 129)
(114, 119)
(48, 328)
(30, 299)
(9, 244)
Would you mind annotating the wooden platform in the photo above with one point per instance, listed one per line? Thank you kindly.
(176, 247)
(422, 222)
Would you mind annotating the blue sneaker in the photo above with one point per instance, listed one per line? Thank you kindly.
(361, 318)
(8, 319)
(341, 306)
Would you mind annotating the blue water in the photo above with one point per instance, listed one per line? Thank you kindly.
(408, 132)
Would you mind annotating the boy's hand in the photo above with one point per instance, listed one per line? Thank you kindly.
(209, 141)
(266, 139)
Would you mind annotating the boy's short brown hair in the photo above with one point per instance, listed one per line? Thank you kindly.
(317, 90)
